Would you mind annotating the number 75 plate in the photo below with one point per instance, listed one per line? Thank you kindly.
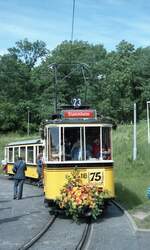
(96, 176)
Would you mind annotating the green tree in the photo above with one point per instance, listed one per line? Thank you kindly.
(29, 52)
(75, 63)
(119, 76)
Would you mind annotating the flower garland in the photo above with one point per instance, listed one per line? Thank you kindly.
(80, 199)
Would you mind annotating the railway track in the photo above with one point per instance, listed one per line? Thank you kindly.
(36, 237)
(81, 244)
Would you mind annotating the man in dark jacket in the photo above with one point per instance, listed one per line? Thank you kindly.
(19, 177)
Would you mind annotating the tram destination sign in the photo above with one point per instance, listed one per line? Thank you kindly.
(91, 114)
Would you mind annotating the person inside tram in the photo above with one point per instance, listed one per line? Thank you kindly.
(106, 152)
(76, 151)
(88, 151)
(96, 148)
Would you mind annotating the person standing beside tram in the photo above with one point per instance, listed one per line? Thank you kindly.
(19, 177)
(40, 169)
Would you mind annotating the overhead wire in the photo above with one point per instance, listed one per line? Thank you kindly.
(72, 27)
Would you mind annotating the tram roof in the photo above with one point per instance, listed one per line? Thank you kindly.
(24, 142)
(79, 116)
(77, 122)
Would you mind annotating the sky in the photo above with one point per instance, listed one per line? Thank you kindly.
(104, 22)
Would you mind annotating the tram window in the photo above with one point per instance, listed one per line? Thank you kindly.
(92, 141)
(53, 144)
(85, 143)
(97, 146)
(16, 153)
(66, 143)
(106, 143)
(10, 154)
(7, 154)
(41, 149)
(76, 144)
(22, 152)
(30, 154)
(72, 144)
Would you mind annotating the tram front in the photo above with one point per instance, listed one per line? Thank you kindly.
(77, 138)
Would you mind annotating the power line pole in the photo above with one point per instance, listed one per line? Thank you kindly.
(55, 86)
(134, 135)
(28, 121)
(148, 135)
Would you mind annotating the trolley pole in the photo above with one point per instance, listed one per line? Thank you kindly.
(134, 135)
(53, 66)
(86, 87)
(148, 102)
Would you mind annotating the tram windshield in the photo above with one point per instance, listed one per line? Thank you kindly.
(79, 143)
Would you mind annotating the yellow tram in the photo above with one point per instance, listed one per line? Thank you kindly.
(77, 138)
(28, 150)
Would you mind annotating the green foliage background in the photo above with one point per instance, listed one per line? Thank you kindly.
(108, 81)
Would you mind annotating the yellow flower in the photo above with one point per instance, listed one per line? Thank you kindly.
(74, 205)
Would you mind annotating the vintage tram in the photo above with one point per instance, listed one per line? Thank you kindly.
(74, 138)
(78, 138)
(28, 150)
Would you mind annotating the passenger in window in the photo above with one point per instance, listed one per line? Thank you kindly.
(88, 151)
(106, 153)
(96, 148)
(109, 154)
(76, 151)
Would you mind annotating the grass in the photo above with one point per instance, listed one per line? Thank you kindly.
(132, 178)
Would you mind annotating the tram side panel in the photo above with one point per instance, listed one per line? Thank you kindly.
(31, 171)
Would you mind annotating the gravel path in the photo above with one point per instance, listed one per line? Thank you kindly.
(115, 232)
(20, 220)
